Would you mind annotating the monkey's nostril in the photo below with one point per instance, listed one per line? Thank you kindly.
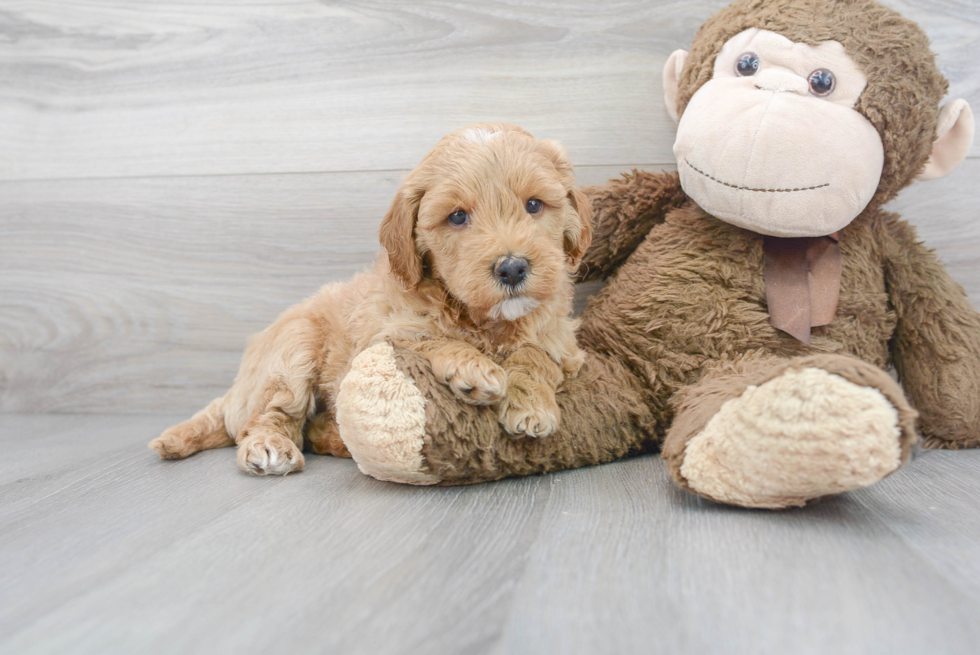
(511, 270)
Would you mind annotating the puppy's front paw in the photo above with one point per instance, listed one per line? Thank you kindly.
(477, 381)
(268, 453)
(572, 364)
(529, 415)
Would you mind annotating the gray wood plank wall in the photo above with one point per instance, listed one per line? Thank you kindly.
(174, 174)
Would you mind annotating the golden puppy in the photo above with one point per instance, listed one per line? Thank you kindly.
(479, 245)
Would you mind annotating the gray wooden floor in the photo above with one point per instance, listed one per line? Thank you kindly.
(174, 174)
(106, 549)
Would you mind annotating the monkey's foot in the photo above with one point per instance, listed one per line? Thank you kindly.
(804, 434)
(381, 413)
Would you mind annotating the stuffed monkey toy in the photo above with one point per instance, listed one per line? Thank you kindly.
(755, 298)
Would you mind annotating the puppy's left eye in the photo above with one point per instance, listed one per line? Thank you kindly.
(458, 218)
(533, 206)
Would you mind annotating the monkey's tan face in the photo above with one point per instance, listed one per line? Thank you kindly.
(772, 143)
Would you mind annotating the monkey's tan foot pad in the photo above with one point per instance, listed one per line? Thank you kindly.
(800, 436)
(381, 414)
(265, 452)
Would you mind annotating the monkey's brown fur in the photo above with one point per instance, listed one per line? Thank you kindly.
(682, 325)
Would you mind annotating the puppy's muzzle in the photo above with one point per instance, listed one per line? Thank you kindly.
(511, 271)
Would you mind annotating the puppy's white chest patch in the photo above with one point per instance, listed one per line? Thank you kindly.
(513, 308)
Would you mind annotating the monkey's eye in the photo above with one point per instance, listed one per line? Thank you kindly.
(533, 206)
(822, 82)
(458, 218)
(748, 64)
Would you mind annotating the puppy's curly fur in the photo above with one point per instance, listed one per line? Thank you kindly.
(434, 290)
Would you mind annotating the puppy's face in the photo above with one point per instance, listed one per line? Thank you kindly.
(494, 215)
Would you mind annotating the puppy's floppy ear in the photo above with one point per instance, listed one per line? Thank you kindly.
(578, 230)
(397, 235)
(556, 153)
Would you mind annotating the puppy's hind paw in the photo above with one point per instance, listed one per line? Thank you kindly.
(529, 418)
(269, 454)
(168, 446)
(203, 431)
(189, 437)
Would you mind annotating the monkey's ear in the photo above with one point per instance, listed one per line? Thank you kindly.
(672, 76)
(954, 138)
(578, 234)
(397, 236)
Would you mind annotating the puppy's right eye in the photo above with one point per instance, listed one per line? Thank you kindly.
(458, 217)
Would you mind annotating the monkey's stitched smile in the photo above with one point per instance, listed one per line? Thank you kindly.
(745, 188)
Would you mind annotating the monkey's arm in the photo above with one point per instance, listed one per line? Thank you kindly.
(936, 346)
(625, 210)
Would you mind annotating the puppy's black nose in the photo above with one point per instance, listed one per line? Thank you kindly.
(511, 270)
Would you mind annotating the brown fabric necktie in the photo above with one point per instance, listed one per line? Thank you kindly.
(802, 282)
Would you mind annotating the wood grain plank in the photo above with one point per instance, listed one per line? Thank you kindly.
(46, 451)
(933, 506)
(111, 273)
(658, 570)
(138, 295)
(97, 511)
(139, 555)
(196, 557)
(106, 88)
